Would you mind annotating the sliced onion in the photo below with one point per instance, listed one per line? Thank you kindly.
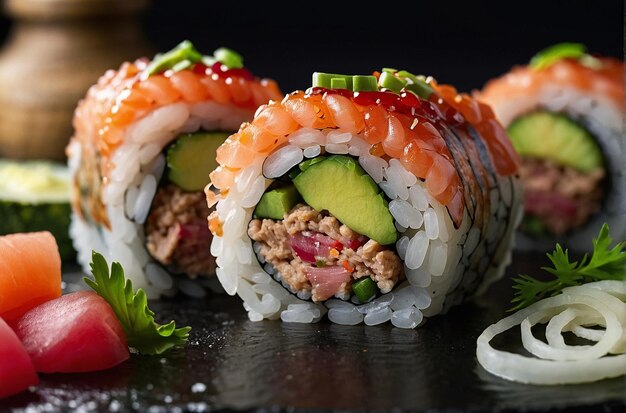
(545, 351)
(560, 363)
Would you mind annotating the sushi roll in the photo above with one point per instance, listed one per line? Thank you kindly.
(144, 144)
(564, 114)
(372, 198)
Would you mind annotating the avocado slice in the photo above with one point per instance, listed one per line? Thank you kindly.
(339, 185)
(35, 196)
(191, 159)
(554, 136)
(274, 204)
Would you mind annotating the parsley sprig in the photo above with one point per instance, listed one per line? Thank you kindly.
(605, 263)
(131, 308)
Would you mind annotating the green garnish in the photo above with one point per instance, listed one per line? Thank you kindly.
(182, 65)
(364, 83)
(184, 55)
(338, 83)
(162, 62)
(388, 81)
(320, 263)
(604, 264)
(365, 289)
(131, 308)
(355, 83)
(547, 57)
(326, 80)
(228, 58)
(322, 79)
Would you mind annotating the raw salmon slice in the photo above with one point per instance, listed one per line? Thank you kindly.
(30, 272)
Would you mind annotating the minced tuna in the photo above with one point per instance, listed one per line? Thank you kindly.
(337, 244)
(177, 233)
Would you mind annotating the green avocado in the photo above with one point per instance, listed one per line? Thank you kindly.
(274, 204)
(35, 196)
(339, 185)
(191, 158)
(555, 137)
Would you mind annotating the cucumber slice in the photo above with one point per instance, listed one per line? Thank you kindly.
(191, 159)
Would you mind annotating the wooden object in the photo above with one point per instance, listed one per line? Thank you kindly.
(56, 50)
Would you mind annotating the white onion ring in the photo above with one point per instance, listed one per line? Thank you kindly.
(564, 364)
(587, 333)
(545, 351)
(560, 323)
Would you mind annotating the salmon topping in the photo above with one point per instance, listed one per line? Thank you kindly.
(402, 125)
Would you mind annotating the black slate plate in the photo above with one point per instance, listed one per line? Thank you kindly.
(234, 364)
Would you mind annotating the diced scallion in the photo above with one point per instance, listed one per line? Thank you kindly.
(184, 55)
(229, 58)
(338, 83)
(364, 84)
(389, 81)
(162, 62)
(182, 65)
(356, 83)
(553, 54)
(365, 289)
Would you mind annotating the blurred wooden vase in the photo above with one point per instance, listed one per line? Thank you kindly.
(55, 51)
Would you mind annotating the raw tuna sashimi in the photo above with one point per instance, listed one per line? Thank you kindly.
(77, 332)
(326, 281)
(16, 368)
(30, 272)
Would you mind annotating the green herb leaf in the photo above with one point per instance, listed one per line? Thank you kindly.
(605, 263)
(131, 308)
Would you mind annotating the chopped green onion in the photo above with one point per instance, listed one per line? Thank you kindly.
(389, 81)
(162, 62)
(319, 263)
(547, 57)
(364, 84)
(321, 79)
(365, 289)
(229, 58)
(420, 88)
(389, 70)
(182, 65)
(403, 74)
(326, 80)
(338, 83)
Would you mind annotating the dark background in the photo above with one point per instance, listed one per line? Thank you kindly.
(462, 42)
